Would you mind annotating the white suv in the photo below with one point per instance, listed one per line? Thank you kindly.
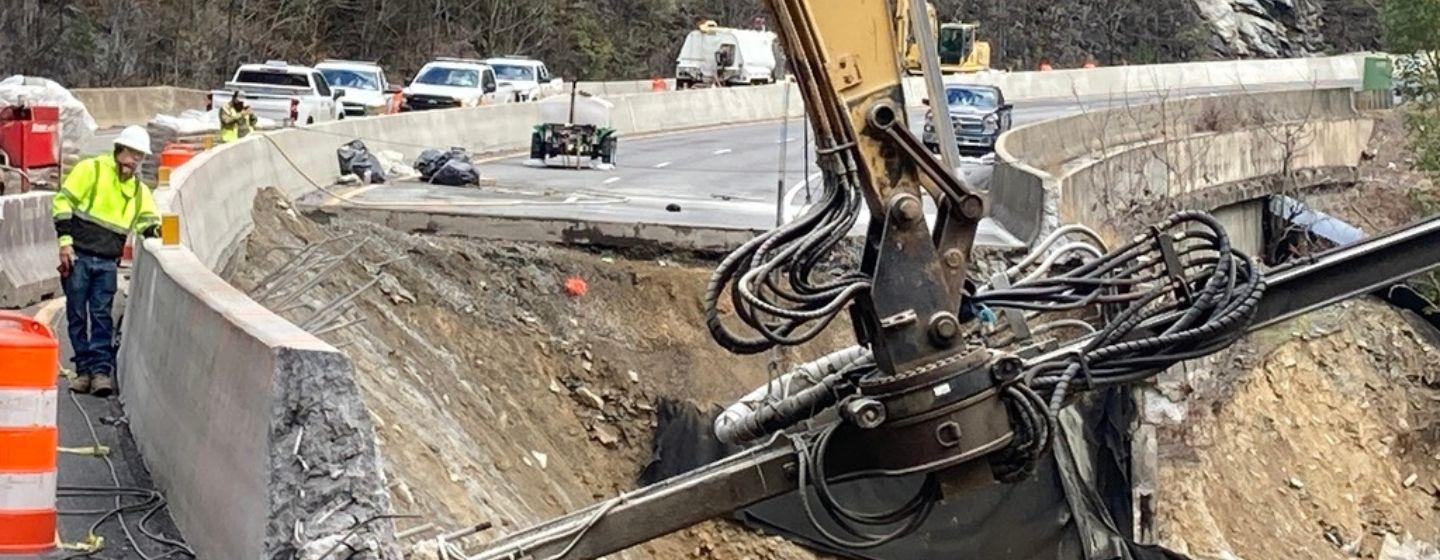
(529, 77)
(455, 82)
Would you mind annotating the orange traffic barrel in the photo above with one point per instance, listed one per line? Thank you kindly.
(175, 155)
(29, 440)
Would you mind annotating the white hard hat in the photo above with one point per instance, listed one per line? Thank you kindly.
(134, 137)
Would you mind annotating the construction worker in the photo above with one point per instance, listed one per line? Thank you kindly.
(236, 119)
(100, 204)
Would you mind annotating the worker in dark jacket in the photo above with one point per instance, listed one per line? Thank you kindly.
(101, 203)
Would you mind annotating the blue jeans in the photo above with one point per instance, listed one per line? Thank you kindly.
(89, 295)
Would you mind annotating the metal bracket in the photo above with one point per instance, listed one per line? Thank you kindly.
(1019, 325)
(1173, 268)
(846, 72)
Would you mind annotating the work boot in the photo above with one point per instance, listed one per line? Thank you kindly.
(80, 383)
(102, 386)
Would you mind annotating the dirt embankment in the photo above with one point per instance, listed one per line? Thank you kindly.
(497, 395)
(1311, 439)
(1314, 438)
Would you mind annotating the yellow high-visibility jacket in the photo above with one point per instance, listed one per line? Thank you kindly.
(94, 211)
(235, 123)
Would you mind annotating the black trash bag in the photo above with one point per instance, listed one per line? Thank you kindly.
(356, 158)
(432, 161)
(429, 162)
(456, 172)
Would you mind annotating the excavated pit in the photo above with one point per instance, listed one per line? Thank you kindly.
(497, 395)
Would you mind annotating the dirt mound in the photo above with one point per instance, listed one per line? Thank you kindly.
(1311, 439)
(498, 395)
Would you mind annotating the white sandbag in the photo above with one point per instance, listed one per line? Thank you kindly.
(76, 124)
(194, 122)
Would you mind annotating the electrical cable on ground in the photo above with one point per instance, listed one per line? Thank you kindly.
(154, 502)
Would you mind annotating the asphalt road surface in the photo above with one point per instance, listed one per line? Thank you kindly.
(726, 176)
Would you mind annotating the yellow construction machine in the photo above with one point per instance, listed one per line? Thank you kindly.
(961, 50)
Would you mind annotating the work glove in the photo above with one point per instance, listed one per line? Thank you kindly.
(67, 261)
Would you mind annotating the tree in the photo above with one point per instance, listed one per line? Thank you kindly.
(1412, 28)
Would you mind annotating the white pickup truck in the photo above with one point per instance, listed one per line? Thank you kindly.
(293, 95)
(529, 77)
(456, 82)
(367, 91)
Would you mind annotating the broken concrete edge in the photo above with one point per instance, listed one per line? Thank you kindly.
(622, 236)
(253, 428)
(112, 107)
(1036, 164)
(29, 252)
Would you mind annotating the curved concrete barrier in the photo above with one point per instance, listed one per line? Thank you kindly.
(29, 255)
(1118, 81)
(113, 107)
(1068, 169)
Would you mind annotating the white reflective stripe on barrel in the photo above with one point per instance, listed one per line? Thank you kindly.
(33, 491)
(21, 408)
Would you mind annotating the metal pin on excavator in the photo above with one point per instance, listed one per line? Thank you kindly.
(940, 389)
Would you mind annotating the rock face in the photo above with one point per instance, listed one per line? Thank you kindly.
(1264, 28)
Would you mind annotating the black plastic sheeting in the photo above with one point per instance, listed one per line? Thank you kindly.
(1067, 511)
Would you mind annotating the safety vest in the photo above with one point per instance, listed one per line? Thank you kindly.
(233, 124)
(95, 199)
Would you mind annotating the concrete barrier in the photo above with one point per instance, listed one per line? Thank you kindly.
(112, 107)
(1117, 81)
(625, 87)
(1090, 168)
(29, 255)
(221, 393)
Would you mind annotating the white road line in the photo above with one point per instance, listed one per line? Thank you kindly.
(662, 165)
(610, 180)
(720, 151)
